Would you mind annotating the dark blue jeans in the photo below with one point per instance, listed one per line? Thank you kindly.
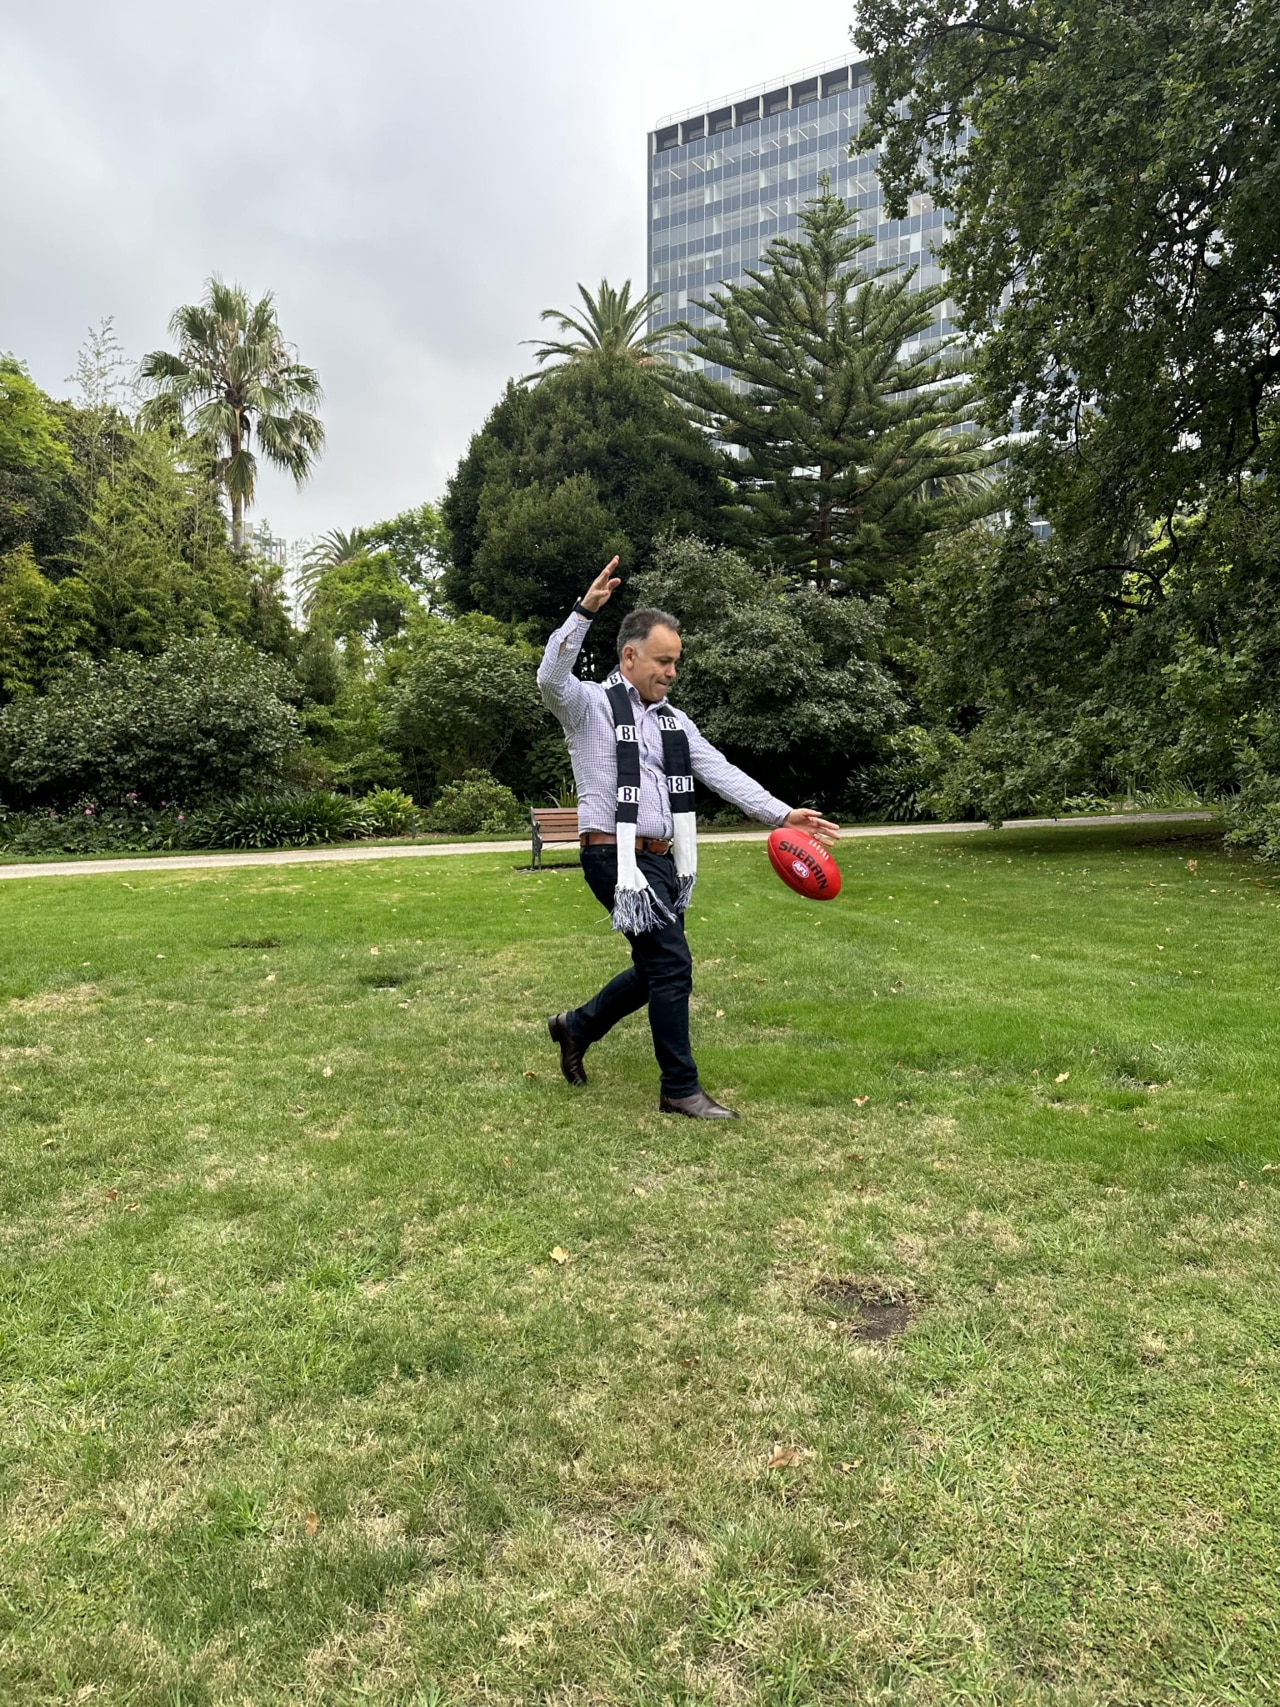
(660, 974)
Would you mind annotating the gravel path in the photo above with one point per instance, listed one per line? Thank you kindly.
(432, 850)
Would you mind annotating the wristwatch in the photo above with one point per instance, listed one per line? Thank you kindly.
(583, 611)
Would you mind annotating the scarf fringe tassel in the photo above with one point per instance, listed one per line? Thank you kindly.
(638, 910)
(686, 891)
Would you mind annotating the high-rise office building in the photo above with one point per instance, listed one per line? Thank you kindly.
(727, 178)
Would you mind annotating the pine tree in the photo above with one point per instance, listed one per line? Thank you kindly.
(856, 439)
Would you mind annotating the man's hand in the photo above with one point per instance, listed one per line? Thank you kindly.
(601, 589)
(813, 824)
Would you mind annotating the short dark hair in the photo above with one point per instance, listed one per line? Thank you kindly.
(637, 625)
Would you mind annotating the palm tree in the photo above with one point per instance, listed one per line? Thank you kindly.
(612, 324)
(330, 551)
(233, 377)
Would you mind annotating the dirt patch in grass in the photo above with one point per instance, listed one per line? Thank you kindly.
(874, 1309)
(55, 1001)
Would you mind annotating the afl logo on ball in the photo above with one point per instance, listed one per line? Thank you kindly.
(804, 865)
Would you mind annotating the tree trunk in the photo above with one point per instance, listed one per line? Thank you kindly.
(237, 498)
(825, 519)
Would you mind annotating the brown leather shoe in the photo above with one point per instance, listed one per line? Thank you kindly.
(570, 1051)
(698, 1107)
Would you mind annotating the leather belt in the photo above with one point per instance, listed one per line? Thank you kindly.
(644, 844)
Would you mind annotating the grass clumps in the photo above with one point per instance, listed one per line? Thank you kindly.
(351, 1357)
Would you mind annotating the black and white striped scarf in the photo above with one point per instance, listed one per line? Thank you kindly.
(635, 906)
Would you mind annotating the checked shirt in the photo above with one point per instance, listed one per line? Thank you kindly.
(582, 709)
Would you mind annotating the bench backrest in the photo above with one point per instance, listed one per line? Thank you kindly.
(556, 823)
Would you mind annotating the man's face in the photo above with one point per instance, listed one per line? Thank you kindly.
(651, 667)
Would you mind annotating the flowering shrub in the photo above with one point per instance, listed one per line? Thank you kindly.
(93, 829)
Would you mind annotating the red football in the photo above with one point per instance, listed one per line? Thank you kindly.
(804, 865)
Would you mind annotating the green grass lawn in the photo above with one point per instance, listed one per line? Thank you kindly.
(297, 1407)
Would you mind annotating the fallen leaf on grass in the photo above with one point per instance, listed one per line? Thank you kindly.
(861, 1102)
(784, 1458)
(638, 1191)
(1193, 865)
(112, 1195)
(529, 1073)
(1062, 1078)
(375, 951)
(560, 1255)
(847, 1464)
(1270, 1167)
(328, 1072)
(130, 1208)
(313, 1523)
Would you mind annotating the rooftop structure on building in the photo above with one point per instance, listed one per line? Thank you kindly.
(727, 178)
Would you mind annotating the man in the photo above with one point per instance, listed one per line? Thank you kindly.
(634, 761)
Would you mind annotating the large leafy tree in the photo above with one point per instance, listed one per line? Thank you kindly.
(597, 459)
(415, 542)
(361, 598)
(35, 463)
(1112, 168)
(609, 322)
(466, 699)
(234, 382)
(857, 435)
(150, 562)
(111, 539)
(1043, 673)
(400, 557)
(785, 679)
(333, 550)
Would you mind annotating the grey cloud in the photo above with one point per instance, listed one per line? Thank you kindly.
(413, 181)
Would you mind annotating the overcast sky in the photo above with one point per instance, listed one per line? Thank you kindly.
(414, 181)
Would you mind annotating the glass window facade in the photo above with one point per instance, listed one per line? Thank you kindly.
(724, 182)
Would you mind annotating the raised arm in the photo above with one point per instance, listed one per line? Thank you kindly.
(561, 690)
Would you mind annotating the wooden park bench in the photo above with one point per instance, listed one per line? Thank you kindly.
(552, 824)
